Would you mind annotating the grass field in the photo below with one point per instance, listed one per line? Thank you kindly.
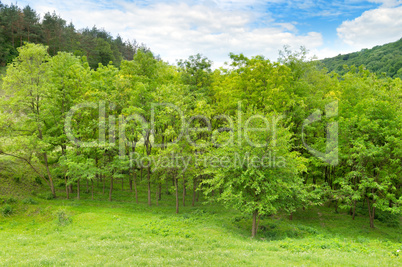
(58, 232)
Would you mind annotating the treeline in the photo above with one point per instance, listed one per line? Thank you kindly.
(20, 25)
(260, 136)
(384, 60)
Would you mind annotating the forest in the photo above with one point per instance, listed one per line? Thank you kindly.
(382, 59)
(83, 114)
(20, 25)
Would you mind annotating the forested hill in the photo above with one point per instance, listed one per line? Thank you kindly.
(380, 59)
(19, 25)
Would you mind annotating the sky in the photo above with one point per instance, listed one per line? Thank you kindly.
(176, 29)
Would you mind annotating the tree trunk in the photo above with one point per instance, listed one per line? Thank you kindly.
(149, 185)
(111, 188)
(92, 189)
(160, 192)
(78, 189)
(336, 206)
(157, 196)
(48, 173)
(177, 194)
(184, 191)
(131, 184)
(67, 193)
(255, 224)
(291, 216)
(372, 218)
(104, 184)
(97, 173)
(371, 213)
(135, 187)
(194, 190)
(184, 186)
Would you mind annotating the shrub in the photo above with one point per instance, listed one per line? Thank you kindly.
(29, 201)
(391, 220)
(47, 196)
(63, 218)
(10, 200)
(308, 229)
(7, 210)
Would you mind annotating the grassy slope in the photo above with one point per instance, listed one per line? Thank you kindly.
(124, 233)
(16, 188)
(379, 59)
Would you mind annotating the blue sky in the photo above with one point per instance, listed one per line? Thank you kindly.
(177, 29)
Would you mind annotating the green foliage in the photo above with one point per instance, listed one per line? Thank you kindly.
(379, 59)
(46, 196)
(38, 180)
(63, 219)
(7, 210)
(196, 72)
(10, 200)
(29, 200)
(251, 109)
(21, 25)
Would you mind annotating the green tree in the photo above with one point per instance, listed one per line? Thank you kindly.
(26, 90)
(257, 173)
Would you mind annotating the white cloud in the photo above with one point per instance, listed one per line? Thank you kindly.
(373, 27)
(326, 52)
(387, 3)
(176, 30)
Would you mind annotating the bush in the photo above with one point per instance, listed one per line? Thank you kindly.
(29, 201)
(47, 196)
(391, 220)
(63, 218)
(10, 200)
(308, 229)
(7, 210)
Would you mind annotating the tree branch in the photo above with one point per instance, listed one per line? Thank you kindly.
(27, 161)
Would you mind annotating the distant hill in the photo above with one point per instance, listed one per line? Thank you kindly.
(379, 59)
(20, 25)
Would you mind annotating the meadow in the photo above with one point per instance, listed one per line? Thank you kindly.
(56, 232)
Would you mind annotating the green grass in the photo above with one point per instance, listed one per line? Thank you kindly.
(97, 232)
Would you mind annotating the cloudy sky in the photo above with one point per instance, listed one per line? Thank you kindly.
(177, 29)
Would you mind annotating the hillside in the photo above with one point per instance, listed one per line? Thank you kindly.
(21, 25)
(380, 59)
(97, 232)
